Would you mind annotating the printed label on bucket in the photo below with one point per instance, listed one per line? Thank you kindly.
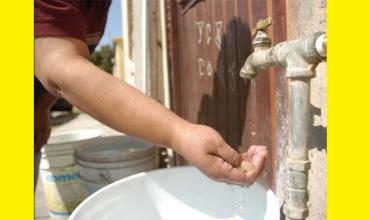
(63, 190)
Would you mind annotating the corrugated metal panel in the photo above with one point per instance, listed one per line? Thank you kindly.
(208, 45)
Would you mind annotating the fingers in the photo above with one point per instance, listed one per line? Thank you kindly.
(240, 169)
(236, 176)
(230, 155)
(227, 173)
(255, 157)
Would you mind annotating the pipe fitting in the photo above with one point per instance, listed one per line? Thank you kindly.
(321, 45)
(293, 213)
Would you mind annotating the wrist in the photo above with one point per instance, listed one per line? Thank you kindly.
(179, 132)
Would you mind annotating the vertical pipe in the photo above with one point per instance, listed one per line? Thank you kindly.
(297, 160)
(299, 107)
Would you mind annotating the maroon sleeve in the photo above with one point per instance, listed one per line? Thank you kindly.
(59, 18)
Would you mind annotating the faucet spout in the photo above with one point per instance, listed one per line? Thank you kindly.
(248, 71)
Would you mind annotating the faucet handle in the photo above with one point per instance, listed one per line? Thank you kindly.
(262, 25)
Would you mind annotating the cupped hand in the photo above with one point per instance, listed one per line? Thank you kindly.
(205, 148)
(254, 161)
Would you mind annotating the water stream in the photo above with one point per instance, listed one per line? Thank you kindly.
(237, 203)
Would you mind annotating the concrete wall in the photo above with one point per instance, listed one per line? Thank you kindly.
(303, 18)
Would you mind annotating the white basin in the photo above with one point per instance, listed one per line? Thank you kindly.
(181, 193)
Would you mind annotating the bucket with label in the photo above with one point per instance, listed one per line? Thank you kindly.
(59, 173)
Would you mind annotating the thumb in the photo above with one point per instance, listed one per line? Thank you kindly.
(230, 155)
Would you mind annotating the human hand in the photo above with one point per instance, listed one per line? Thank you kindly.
(206, 149)
(254, 161)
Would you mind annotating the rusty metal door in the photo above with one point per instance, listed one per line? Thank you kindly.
(208, 42)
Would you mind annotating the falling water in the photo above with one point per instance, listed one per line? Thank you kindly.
(237, 203)
(254, 109)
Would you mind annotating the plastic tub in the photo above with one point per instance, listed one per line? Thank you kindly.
(180, 193)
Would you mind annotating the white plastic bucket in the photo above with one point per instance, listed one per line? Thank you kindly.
(59, 174)
(108, 159)
(180, 193)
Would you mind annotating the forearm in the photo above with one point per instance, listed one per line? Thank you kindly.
(116, 103)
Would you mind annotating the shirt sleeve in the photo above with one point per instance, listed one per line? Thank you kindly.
(59, 18)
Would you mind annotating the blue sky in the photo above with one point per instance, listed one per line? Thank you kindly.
(113, 27)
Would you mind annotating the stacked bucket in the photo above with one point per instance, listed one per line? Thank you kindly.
(76, 164)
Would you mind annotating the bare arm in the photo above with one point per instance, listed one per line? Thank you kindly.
(62, 66)
(65, 72)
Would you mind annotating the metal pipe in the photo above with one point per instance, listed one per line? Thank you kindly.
(300, 57)
(297, 161)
